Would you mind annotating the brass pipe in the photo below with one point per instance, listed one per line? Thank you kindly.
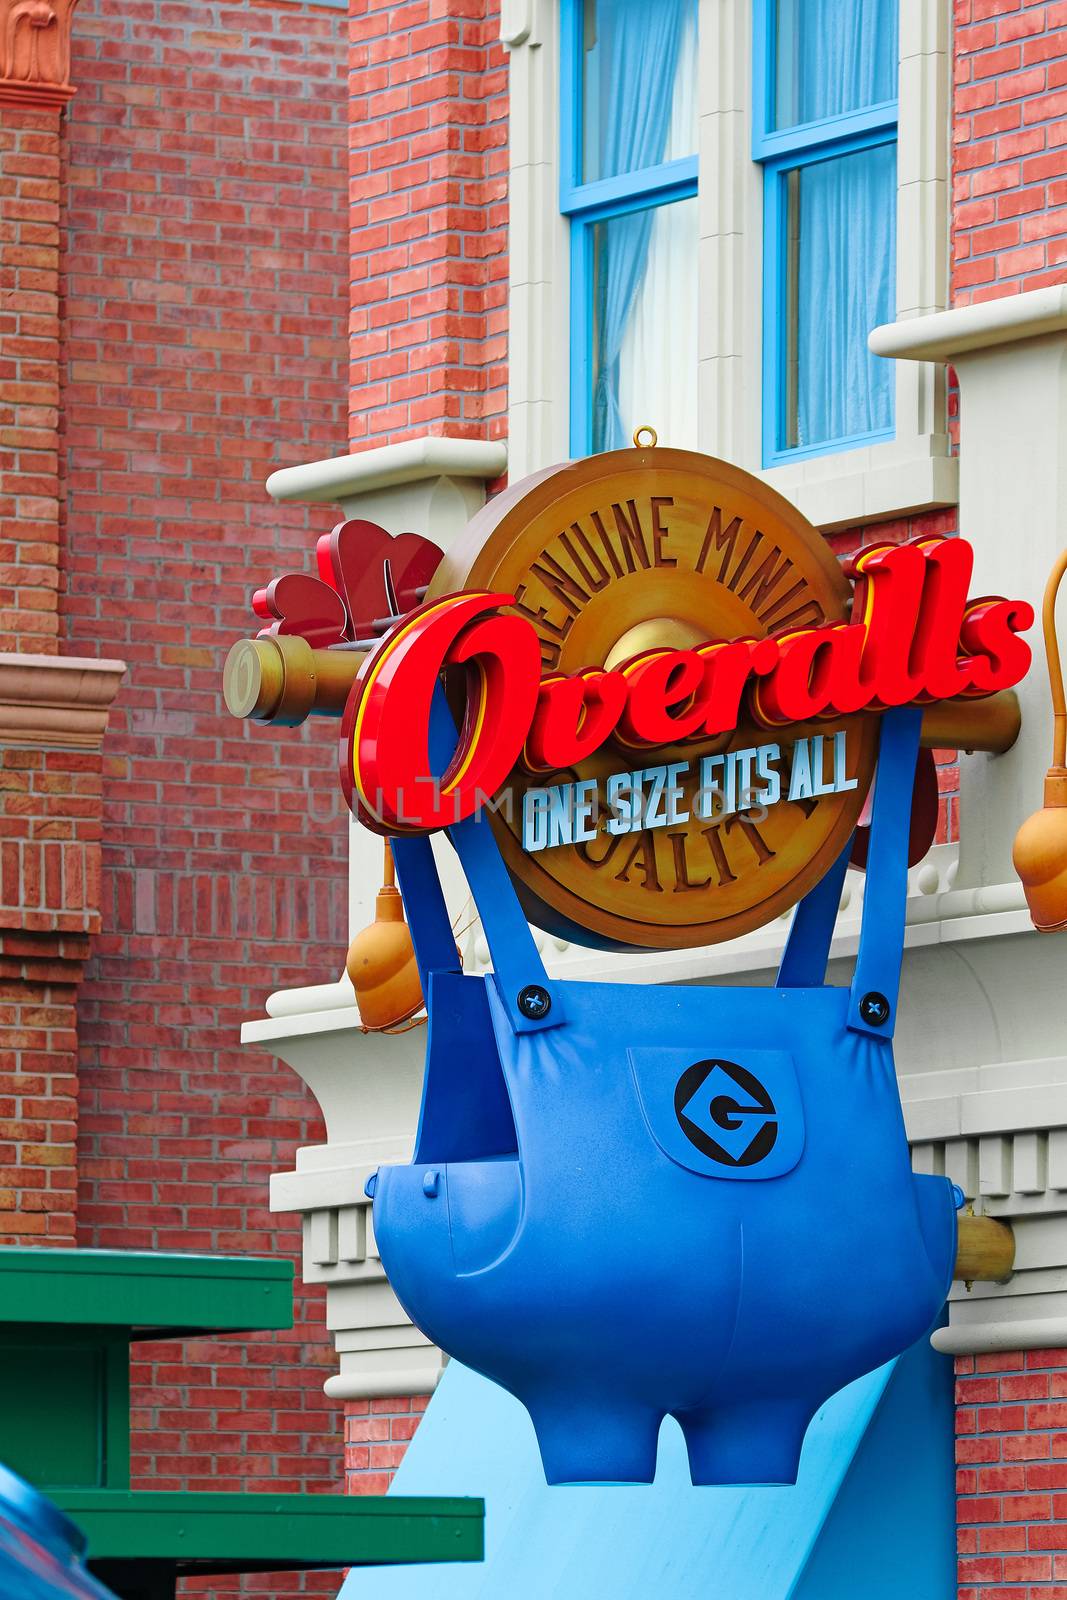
(992, 724)
(985, 1250)
(279, 678)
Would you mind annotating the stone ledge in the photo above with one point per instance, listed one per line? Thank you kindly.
(57, 701)
(343, 477)
(944, 335)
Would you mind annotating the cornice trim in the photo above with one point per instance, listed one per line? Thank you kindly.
(984, 1338)
(410, 461)
(946, 335)
(57, 701)
(28, 94)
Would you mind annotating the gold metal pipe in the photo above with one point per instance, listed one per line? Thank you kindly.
(279, 678)
(985, 1250)
(992, 724)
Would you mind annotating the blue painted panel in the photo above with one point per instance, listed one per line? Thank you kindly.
(894, 1517)
(671, 180)
(877, 1459)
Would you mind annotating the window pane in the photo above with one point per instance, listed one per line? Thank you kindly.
(833, 56)
(840, 269)
(644, 325)
(639, 66)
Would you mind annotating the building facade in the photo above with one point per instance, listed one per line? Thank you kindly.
(571, 221)
(173, 182)
(563, 222)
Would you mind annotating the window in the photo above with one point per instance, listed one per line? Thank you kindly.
(628, 186)
(825, 131)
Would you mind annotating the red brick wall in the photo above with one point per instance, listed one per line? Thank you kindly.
(428, 221)
(50, 820)
(205, 276)
(38, 1102)
(1011, 1449)
(1009, 224)
(376, 1435)
(29, 377)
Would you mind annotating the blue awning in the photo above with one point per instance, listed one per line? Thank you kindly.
(873, 1512)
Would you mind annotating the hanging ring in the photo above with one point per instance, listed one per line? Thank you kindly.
(645, 438)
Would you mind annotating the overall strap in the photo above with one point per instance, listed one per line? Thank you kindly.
(424, 903)
(872, 1006)
(807, 948)
(530, 1001)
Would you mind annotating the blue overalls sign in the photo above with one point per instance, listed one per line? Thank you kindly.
(708, 1134)
(629, 1201)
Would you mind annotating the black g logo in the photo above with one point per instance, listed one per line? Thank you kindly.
(726, 1113)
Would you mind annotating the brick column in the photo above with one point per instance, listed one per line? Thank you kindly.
(428, 166)
(53, 712)
(34, 87)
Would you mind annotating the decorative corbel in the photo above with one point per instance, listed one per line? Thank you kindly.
(519, 23)
(35, 52)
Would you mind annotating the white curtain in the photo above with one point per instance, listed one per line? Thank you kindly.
(655, 369)
(658, 355)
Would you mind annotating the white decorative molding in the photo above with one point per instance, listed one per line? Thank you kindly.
(999, 1131)
(538, 260)
(368, 1087)
(517, 24)
(431, 485)
(951, 334)
(315, 997)
(1010, 357)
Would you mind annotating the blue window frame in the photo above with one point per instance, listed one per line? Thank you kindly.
(628, 173)
(825, 133)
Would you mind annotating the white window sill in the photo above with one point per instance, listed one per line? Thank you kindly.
(898, 478)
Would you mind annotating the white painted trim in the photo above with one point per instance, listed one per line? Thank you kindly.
(983, 1338)
(410, 461)
(538, 243)
(860, 486)
(362, 1384)
(949, 334)
(314, 997)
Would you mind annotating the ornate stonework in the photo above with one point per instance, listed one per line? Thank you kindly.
(35, 51)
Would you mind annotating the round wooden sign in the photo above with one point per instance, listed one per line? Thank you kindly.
(620, 553)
